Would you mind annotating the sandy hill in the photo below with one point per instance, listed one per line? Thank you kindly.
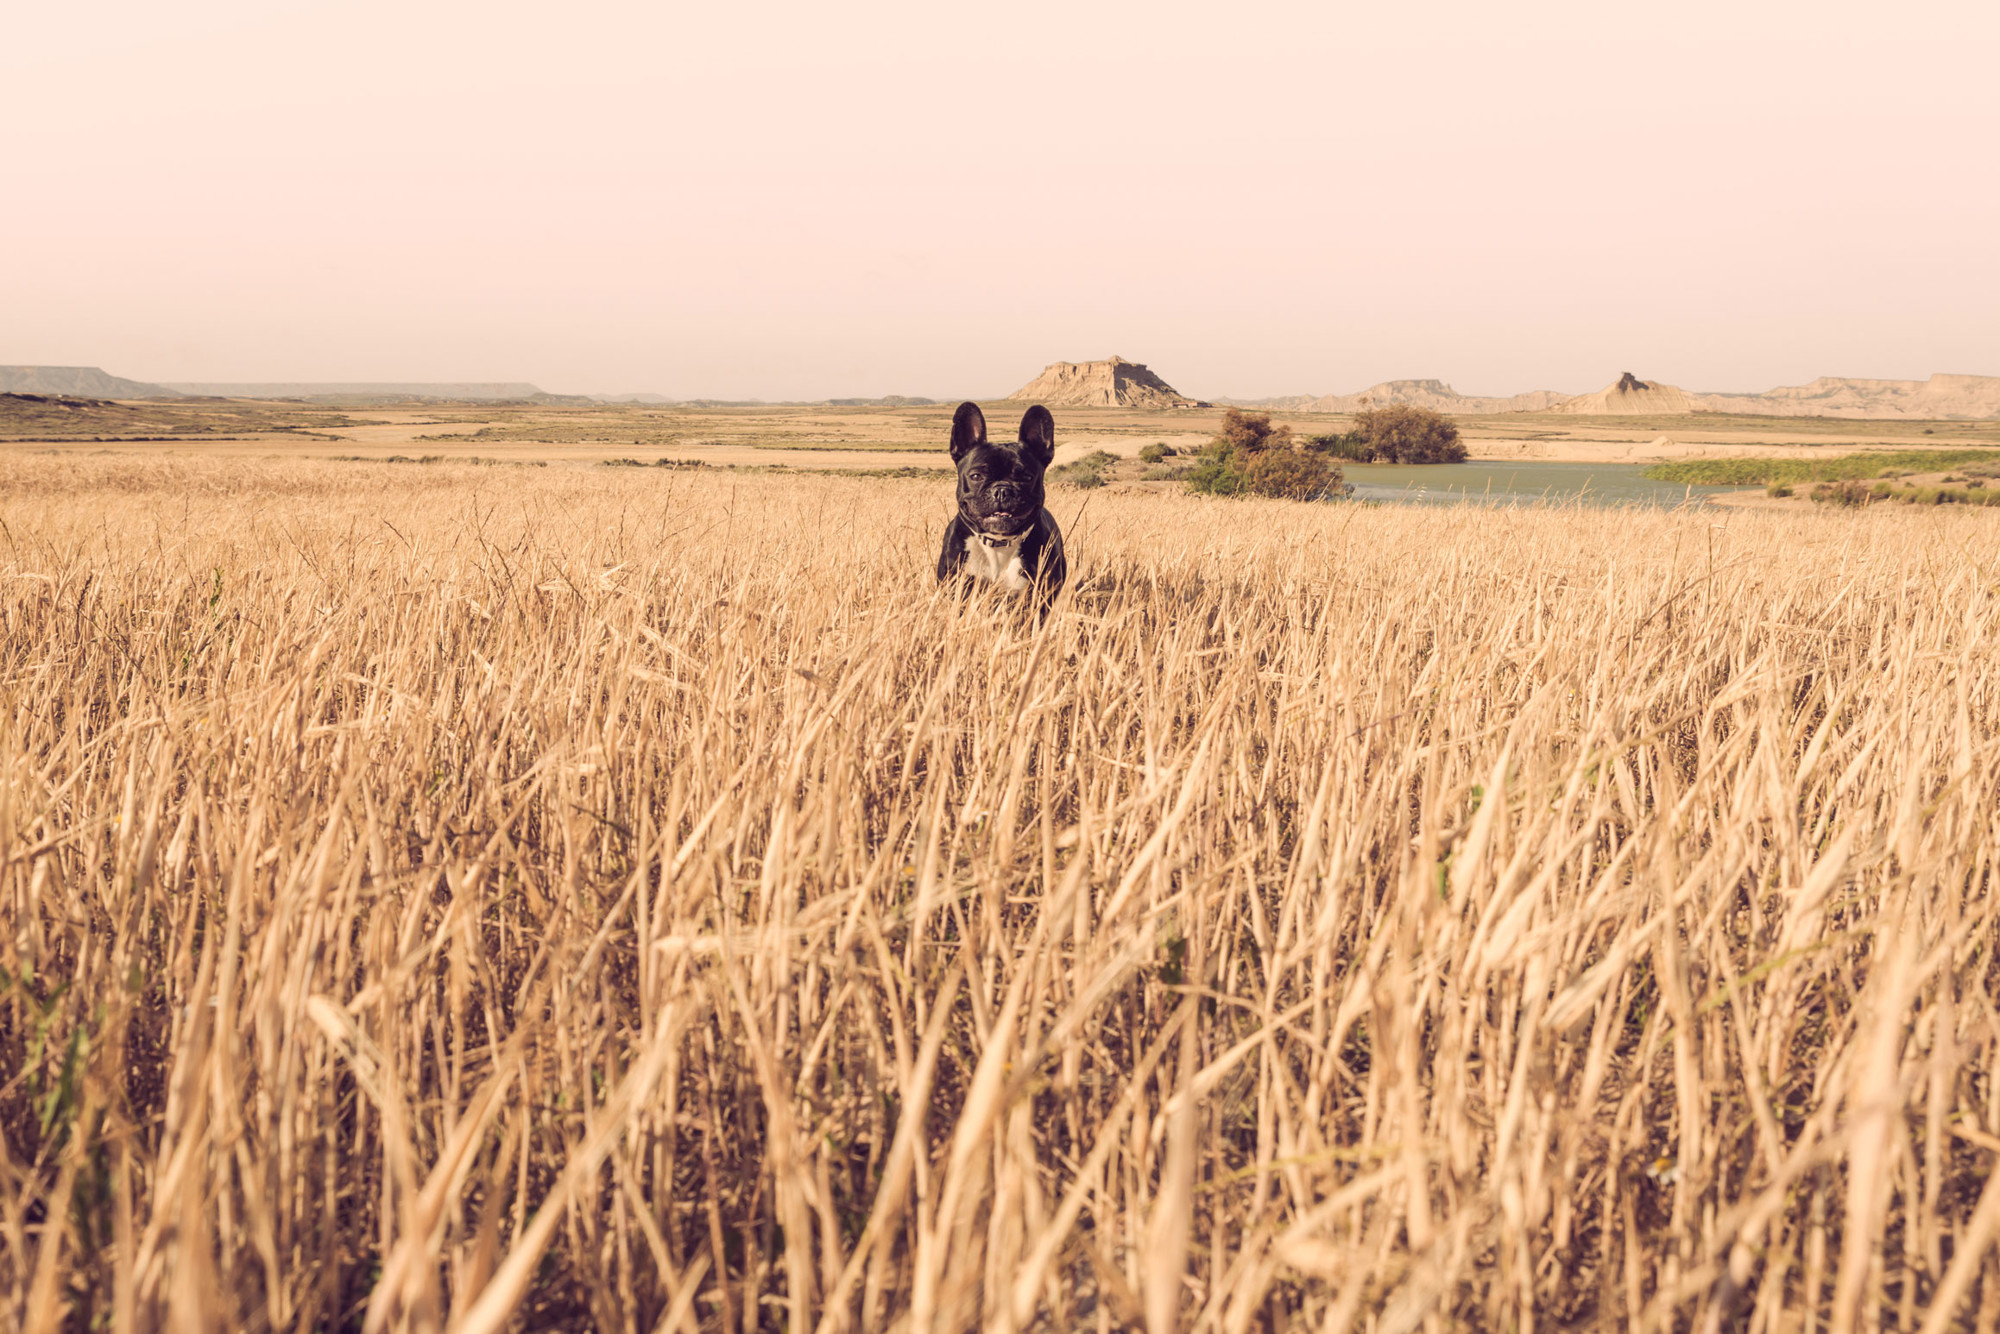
(1941, 396)
(1116, 383)
(1631, 396)
(76, 382)
(1433, 394)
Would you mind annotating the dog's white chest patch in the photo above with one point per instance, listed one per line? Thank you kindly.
(997, 563)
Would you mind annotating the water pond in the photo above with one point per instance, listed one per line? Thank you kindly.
(1518, 484)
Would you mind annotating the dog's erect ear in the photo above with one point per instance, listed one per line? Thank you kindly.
(968, 430)
(1038, 435)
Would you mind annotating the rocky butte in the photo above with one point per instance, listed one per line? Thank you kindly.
(1631, 397)
(1962, 397)
(1116, 383)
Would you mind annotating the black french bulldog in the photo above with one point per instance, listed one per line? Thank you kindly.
(1002, 535)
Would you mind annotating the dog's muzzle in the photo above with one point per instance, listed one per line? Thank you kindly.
(1019, 526)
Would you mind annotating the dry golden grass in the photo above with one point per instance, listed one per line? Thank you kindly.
(483, 898)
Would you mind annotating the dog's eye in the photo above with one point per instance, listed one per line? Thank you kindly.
(976, 475)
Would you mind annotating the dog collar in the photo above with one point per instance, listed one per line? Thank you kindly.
(998, 541)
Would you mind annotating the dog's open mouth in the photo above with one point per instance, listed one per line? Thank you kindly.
(1005, 523)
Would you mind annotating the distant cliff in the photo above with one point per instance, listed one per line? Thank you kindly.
(1942, 397)
(76, 382)
(1433, 394)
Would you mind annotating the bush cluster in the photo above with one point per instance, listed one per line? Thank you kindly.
(1085, 473)
(1350, 447)
(1972, 494)
(1396, 434)
(1855, 494)
(1401, 433)
(1848, 494)
(1840, 467)
(641, 463)
(1254, 458)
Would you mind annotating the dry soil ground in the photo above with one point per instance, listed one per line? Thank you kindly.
(867, 438)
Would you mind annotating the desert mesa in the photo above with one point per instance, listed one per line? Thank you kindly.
(1940, 398)
(1115, 382)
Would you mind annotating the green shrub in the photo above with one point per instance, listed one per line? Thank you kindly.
(1845, 494)
(1164, 473)
(1762, 472)
(1778, 489)
(1252, 431)
(1289, 474)
(1350, 447)
(1085, 473)
(1252, 457)
(1401, 433)
(1972, 494)
(1213, 473)
(1157, 451)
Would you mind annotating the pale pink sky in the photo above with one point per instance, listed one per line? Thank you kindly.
(803, 200)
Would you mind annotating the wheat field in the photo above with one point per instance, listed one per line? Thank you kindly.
(460, 898)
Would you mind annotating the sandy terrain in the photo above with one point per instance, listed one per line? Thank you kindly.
(876, 437)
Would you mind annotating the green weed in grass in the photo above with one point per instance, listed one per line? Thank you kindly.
(1843, 467)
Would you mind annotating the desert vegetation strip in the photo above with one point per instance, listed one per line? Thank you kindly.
(623, 898)
(1841, 467)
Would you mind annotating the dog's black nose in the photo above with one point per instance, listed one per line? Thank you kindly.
(1007, 494)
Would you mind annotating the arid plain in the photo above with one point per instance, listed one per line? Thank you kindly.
(444, 895)
(870, 436)
(877, 439)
